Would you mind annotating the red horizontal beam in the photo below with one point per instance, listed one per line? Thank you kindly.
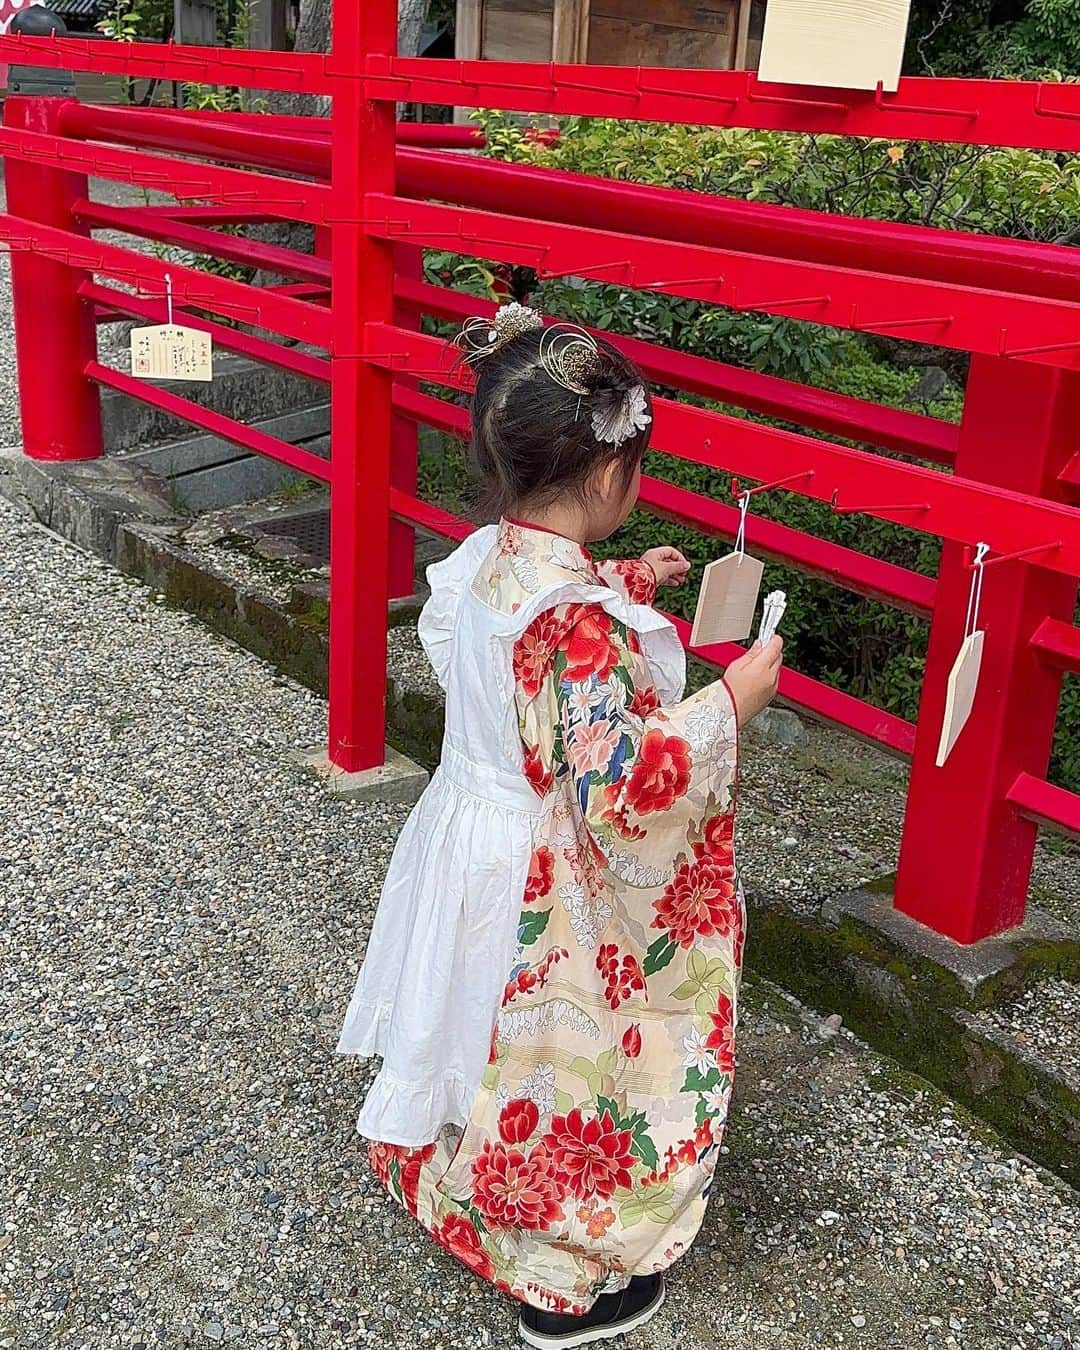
(821, 558)
(691, 217)
(1058, 644)
(115, 303)
(212, 215)
(136, 220)
(976, 112)
(433, 135)
(837, 414)
(993, 322)
(285, 72)
(415, 512)
(841, 566)
(960, 509)
(982, 261)
(243, 142)
(254, 305)
(238, 433)
(832, 705)
(1049, 805)
(290, 198)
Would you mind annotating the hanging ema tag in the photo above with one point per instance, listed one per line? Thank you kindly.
(169, 351)
(964, 676)
(729, 591)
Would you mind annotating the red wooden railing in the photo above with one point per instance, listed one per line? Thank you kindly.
(1007, 476)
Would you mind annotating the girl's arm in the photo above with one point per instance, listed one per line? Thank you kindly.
(633, 578)
(638, 578)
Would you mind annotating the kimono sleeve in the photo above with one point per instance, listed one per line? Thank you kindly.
(650, 781)
(633, 578)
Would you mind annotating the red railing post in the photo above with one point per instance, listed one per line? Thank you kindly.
(409, 262)
(965, 859)
(362, 268)
(55, 333)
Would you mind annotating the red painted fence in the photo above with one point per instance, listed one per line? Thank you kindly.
(1009, 475)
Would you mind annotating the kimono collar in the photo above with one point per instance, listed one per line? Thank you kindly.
(545, 548)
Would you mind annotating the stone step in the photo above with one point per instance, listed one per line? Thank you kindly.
(246, 390)
(206, 472)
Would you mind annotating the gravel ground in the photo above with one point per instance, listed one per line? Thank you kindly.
(1044, 1023)
(183, 912)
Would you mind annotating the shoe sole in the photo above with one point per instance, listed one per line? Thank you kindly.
(594, 1334)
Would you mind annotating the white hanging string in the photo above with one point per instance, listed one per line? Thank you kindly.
(168, 298)
(740, 538)
(978, 570)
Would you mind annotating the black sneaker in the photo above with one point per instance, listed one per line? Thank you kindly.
(611, 1315)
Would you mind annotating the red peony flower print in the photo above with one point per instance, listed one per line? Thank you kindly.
(541, 874)
(718, 837)
(539, 778)
(638, 578)
(721, 1040)
(380, 1156)
(615, 813)
(518, 1119)
(534, 652)
(631, 1041)
(700, 901)
(661, 773)
(588, 645)
(515, 1190)
(592, 1155)
(740, 935)
(461, 1239)
(645, 701)
(411, 1162)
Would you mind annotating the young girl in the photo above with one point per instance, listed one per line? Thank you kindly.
(553, 973)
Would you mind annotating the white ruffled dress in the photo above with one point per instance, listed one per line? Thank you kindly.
(445, 935)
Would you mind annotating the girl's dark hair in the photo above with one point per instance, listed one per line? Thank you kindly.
(533, 440)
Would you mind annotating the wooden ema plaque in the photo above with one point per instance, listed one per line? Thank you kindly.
(960, 694)
(845, 44)
(727, 600)
(170, 352)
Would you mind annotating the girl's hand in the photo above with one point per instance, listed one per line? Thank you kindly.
(752, 679)
(670, 566)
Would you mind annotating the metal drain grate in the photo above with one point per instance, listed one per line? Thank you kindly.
(309, 531)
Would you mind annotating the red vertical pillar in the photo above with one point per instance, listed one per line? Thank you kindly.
(55, 334)
(409, 261)
(360, 392)
(965, 859)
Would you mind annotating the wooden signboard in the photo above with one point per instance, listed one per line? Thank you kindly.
(846, 44)
(695, 33)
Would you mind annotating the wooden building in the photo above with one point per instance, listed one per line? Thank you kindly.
(713, 34)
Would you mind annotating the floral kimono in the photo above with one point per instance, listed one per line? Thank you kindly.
(592, 813)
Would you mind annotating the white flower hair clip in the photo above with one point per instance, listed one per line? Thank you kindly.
(622, 417)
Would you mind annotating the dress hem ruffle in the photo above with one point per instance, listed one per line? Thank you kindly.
(448, 1099)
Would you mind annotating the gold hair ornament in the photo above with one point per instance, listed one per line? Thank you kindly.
(480, 337)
